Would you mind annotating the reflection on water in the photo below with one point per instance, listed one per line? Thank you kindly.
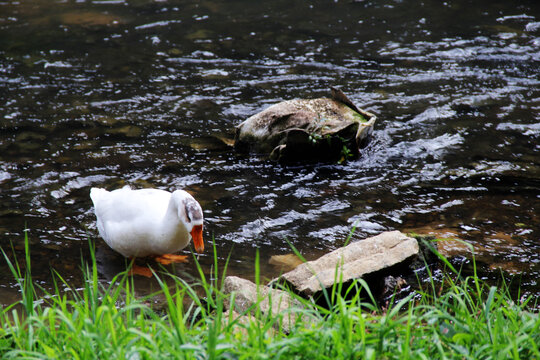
(104, 93)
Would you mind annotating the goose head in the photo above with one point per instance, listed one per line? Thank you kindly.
(191, 215)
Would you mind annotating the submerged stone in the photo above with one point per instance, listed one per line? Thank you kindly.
(127, 131)
(307, 130)
(210, 143)
(285, 262)
(89, 18)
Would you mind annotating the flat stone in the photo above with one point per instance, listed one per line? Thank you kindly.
(354, 261)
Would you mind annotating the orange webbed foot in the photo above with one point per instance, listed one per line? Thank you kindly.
(140, 270)
(167, 259)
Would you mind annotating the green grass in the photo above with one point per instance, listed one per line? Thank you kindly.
(460, 318)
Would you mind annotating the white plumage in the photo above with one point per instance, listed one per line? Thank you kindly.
(147, 222)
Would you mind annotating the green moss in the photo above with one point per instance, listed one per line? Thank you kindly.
(359, 117)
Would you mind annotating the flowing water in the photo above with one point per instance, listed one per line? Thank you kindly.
(113, 92)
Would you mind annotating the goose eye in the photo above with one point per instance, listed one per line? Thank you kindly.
(186, 211)
(192, 210)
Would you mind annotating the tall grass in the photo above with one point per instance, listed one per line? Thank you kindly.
(466, 319)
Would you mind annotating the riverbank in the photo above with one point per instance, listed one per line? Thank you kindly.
(459, 317)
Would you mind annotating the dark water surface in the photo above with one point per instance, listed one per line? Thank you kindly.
(107, 93)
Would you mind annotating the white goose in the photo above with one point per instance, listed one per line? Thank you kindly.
(148, 222)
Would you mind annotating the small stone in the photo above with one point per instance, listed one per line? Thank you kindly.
(107, 120)
(11, 213)
(30, 136)
(393, 284)
(269, 301)
(200, 34)
(241, 322)
(175, 52)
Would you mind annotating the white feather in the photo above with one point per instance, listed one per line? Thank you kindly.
(146, 221)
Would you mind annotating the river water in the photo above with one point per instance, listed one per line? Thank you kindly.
(112, 92)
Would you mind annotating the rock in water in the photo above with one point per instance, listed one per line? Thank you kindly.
(307, 130)
(353, 261)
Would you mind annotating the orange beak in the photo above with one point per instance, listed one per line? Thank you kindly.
(196, 234)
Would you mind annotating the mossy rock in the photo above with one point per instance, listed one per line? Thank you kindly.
(307, 130)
